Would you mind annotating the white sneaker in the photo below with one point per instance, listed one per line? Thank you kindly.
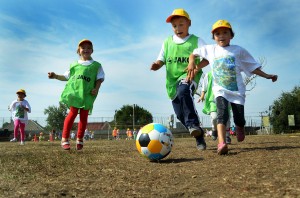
(13, 140)
(22, 143)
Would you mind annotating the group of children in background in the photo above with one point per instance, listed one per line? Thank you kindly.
(184, 55)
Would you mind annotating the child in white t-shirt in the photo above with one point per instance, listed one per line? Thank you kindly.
(19, 108)
(227, 62)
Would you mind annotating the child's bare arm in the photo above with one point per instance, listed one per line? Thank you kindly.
(259, 72)
(97, 87)
(193, 69)
(202, 96)
(52, 75)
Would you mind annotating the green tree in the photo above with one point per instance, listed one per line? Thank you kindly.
(130, 116)
(5, 124)
(56, 116)
(287, 104)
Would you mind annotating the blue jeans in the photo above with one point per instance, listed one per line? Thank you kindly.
(183, 105)
(223, 113)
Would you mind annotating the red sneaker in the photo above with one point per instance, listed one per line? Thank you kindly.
(79, 145)
(240, 133)
(65, 145)
(222, 149)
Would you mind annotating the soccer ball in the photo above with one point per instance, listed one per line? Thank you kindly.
(154, 141)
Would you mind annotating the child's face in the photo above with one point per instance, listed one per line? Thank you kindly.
(222, 36)
(181, 26)
(85, 51)
(20, 95)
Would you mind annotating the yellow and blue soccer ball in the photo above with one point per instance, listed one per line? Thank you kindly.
(154, 141)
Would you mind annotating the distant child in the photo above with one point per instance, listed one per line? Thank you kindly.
(73, 135)
(114, 133)
(227, 62)
(84, 77)
(210, 107)
(174, 54)
(134, 134)
(129, 134)
(20, 108)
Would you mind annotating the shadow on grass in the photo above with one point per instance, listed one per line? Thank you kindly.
(174, 161)
(267, 148)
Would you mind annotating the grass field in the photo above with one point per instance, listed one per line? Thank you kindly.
(261, 166)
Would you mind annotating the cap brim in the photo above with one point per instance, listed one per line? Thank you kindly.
(21, 92)
(220, 27)
(168, 20)
(85, 41)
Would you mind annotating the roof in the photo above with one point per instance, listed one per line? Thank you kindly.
(31, 126)
(94, 126)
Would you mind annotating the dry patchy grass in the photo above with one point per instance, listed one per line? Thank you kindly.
(262, 166)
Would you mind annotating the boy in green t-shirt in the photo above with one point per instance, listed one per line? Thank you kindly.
(174, 54)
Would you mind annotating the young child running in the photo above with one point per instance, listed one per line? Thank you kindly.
(174, 54)
(227, 62)
(210, 107)
(84, 77)
(20, 108)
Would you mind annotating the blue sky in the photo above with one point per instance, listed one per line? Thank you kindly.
(41, 36)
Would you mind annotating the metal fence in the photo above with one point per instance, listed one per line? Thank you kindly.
(251, 121)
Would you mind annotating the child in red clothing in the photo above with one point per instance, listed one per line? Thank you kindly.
(84, 77)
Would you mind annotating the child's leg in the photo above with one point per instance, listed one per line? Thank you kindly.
(187, 105)
(178, 111)
(69, 121)
(223, 116)
(16, 128)
(213, 118)
(221, 133)
(22, 131)
(82, 123)
(238, 114)
(239, 120)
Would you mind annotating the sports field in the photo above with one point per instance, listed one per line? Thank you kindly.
(261, 166)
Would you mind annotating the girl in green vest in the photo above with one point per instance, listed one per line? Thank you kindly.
(84, 77)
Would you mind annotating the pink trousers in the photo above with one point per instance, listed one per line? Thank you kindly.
(19, 126)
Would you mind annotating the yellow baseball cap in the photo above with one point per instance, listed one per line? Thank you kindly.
(220, 23)
(178, 12)
(21, 91)
(84, 41)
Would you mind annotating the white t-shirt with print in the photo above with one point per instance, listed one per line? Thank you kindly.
(18, 112)
(227, 64)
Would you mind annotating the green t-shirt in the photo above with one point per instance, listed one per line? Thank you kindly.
(77, 92)
(176, 61)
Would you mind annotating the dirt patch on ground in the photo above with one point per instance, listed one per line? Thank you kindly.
(262, 166)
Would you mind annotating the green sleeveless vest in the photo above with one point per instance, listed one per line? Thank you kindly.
(77, 92)
(209, 104)
(176, 61)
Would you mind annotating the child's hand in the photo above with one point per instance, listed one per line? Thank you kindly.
(273, 77)
(201, 99)
(155, 66)
(51, 75)
(190, 75)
